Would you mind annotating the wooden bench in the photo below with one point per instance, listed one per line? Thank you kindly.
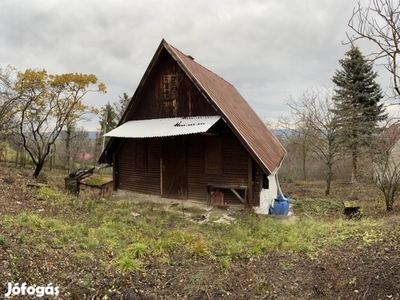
(233, 188)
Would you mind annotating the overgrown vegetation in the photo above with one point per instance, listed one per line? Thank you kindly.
(116, 248)
(133, 233)
(96, 180)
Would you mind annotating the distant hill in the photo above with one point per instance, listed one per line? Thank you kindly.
(92, 134)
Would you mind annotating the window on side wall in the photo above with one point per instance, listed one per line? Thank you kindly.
(213, 155)
(141, 155)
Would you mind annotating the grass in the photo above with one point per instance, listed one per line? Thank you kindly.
(114, 231)
(96, 180)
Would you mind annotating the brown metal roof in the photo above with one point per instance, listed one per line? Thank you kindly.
(236, 112)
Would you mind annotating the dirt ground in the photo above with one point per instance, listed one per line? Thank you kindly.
(349, 271)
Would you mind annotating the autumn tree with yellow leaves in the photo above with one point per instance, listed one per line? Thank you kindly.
(47, 105)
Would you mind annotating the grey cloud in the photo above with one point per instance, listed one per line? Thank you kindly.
(267, 49)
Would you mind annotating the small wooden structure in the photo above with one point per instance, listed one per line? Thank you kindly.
(73, 179)
(96, 186)
(351, 209)
(84, 182)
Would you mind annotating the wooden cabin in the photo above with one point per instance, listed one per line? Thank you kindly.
(188, 134)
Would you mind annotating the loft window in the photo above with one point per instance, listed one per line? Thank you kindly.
(170, 87)
(141, 155)
(213, 155)
(169, 95)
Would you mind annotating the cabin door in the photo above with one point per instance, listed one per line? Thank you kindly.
(173, 168)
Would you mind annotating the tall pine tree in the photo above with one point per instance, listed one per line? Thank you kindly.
(357, 104)
(108, 120)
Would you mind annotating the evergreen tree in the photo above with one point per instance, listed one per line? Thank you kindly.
(357, 103)
(108, 121)
(121, 105)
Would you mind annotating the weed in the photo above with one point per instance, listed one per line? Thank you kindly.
(199, 246)
(138, 250)
(225, 263)
(161, 247)
(318, 207)
(127, 263)
(65, 238)
(353, 281)
(4, 243)
(45, 193)
(87, 281)
(197, 279)
(264, 289)
(31, 221)
(21, 237)
(287, 267)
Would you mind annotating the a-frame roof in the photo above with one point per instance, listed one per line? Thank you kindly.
(263, 146)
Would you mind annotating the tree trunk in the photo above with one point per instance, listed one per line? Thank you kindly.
(354, 168)
(328, 180)
(68, 146)
(51, 162)
(389, 205)
(16, 158)
(38, 168)
(23, 158)
(328, 187)
(304, 167)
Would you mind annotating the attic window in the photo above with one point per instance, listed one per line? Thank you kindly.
(170, 87)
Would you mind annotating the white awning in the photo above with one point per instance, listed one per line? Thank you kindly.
(164, 127)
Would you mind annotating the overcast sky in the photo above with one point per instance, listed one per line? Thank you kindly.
(268, 49)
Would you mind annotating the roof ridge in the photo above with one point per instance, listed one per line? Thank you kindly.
(191, 57)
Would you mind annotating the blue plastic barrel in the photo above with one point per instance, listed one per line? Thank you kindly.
(281, 205)
(287, 197)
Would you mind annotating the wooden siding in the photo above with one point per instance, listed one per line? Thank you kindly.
(162, 97)
(147, 182)
(234, 167)
(257, 184)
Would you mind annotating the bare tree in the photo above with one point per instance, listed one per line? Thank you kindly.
(299, 138)
(386, 162)
(379, 23)
(80, 147)
(312, 116)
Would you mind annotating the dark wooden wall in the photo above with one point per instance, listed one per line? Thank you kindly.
(128, 178)
(183, 99)
(234, 167)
